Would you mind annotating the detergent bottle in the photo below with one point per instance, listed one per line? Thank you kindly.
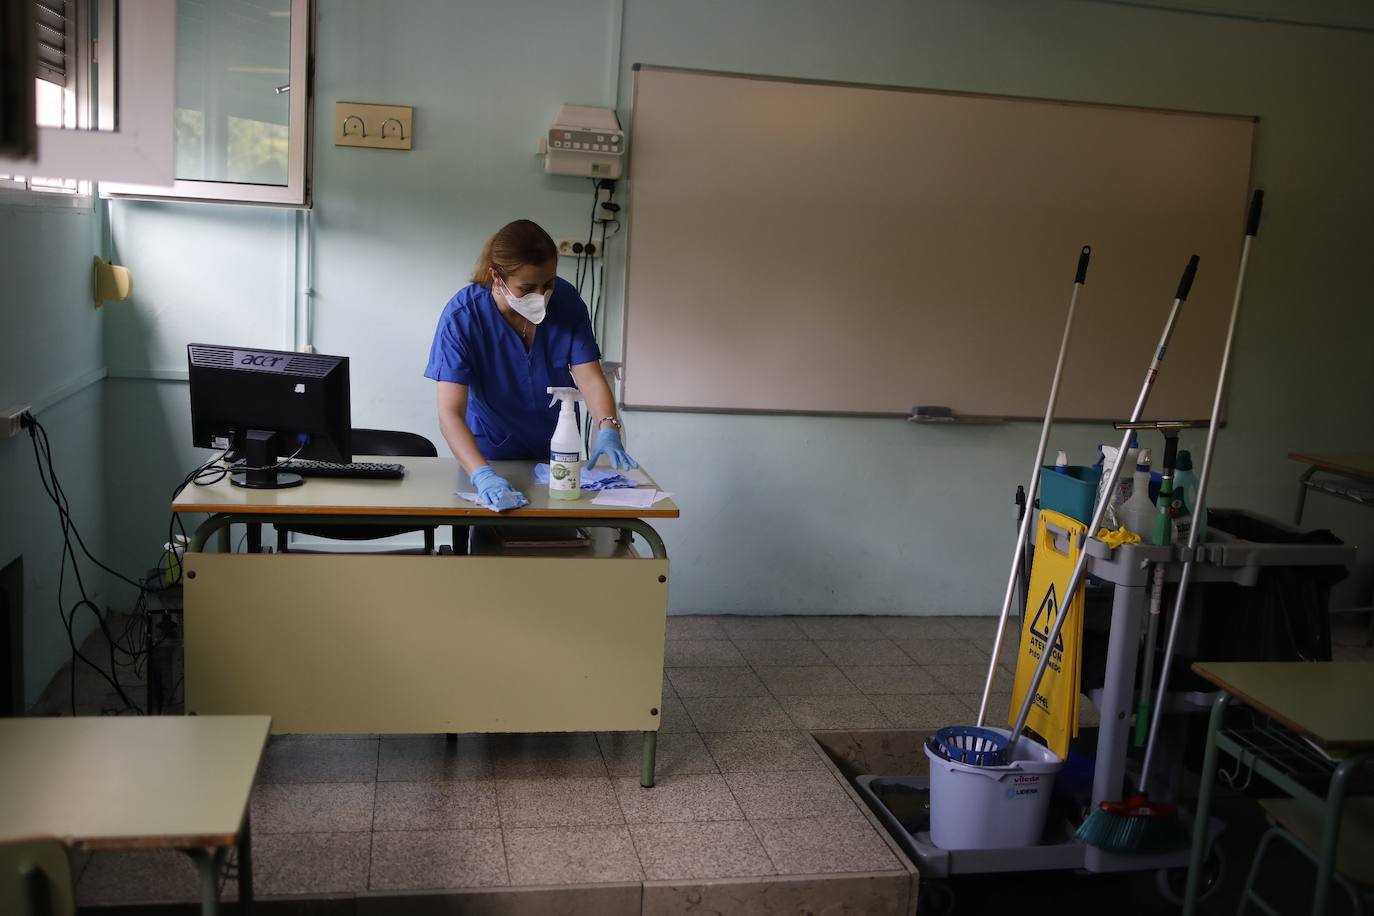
(1185, 490)
(565, 449)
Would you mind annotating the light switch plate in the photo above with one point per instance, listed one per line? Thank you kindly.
(374, 126)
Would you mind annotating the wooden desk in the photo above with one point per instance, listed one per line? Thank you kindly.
(149, 782)
(426, 491)
(1354, 473)
(1325, 729)
(1354, 467)
(523, 641)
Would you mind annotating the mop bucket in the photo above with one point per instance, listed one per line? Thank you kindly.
(995, 804)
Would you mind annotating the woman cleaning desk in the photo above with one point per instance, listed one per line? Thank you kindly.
(502, 341)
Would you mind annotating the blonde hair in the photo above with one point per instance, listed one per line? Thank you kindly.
(511, 247)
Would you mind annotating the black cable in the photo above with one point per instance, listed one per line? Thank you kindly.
(584, 269)
(54, 489)
(596, 309)
(47, 450)
(209, 472)
(591, 297)
(47, 475)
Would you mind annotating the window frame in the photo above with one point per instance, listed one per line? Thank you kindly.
(140, 147)
(19, 189)
(297, 192)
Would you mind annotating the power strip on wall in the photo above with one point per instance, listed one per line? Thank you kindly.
(12, 421)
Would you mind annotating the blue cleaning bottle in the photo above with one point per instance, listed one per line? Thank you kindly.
(1185, 488)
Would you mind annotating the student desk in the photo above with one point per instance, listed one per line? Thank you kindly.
(148, 782)
(1357, 471)
(1349, 477)
(1315, 726)
(536, 640)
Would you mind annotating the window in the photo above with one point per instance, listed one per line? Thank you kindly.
(62, 84)
(121, 131)
(243, 103)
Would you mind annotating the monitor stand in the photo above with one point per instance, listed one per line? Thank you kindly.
(260, 457)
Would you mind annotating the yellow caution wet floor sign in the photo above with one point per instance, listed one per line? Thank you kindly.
(1054, 714)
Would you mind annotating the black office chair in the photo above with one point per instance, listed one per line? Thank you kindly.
(389, 442)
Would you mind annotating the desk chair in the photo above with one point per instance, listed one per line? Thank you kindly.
(35, 878)
(390, 443)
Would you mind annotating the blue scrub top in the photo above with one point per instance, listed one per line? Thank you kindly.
(508, 401)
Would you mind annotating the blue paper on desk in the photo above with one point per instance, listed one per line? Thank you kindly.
(592, 479)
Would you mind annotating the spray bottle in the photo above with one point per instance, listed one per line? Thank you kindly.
(1138, 513)
(565, 449)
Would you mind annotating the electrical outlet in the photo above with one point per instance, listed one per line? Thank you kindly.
(10, 424)
(572, 248)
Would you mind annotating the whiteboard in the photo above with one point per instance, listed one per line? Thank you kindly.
(833, 248)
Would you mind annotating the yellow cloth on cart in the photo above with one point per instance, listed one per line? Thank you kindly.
(1118, 537)
(1054, 714)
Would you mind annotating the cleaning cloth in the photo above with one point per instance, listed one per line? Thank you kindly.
(1118, 537)
(592, 479)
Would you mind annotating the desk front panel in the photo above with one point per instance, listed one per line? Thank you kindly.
(350, 643)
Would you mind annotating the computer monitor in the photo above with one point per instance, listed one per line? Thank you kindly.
(268, 404)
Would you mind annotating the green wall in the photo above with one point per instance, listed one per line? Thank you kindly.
(871, 515)
(50, 358)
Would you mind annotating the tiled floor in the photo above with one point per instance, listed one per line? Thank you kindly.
(746, 807)
(747, 816)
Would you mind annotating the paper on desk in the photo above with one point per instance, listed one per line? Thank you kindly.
(639, 498)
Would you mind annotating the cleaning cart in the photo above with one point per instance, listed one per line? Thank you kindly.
(1133, 829)
(1127, 569)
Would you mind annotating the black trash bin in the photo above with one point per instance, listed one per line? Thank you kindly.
(1285, 616)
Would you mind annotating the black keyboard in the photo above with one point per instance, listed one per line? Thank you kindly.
(362, 470)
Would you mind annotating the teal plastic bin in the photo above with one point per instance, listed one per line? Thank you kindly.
(1072, 494)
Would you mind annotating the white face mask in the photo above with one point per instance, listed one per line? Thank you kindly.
(531, 308)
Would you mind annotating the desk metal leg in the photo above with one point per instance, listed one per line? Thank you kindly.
(1331, 832)
(646, 767)
(209, 863)
(254, 537)
(1302, 494)
(245, 867)
(1204, 806)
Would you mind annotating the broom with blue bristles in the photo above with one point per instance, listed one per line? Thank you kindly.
(1137, 824)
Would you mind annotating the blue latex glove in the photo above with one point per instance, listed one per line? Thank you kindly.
(608, 443)
(496, 491)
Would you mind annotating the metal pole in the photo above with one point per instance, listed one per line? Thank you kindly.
(1023, 531)
(1195, 530)
(1076, 579)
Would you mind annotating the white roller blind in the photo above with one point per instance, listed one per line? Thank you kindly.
(53, 34)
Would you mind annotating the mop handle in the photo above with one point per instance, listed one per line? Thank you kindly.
(1151, 637)
(1195, 531)
(1022, 532)
(1184, 286)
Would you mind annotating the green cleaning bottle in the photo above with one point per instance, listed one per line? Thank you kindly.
(1164, 520)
